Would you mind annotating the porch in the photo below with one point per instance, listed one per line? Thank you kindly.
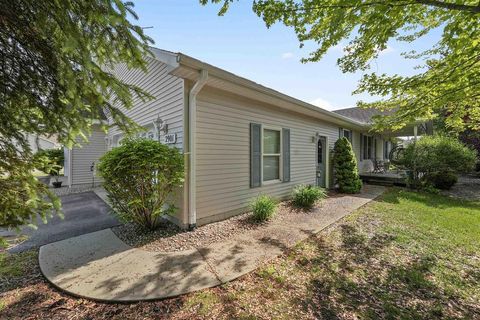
(388, 178)
(386, 170)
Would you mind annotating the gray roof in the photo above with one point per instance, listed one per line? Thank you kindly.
(361, 114)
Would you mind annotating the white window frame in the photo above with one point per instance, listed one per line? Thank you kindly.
(117, 139)
(280, 165)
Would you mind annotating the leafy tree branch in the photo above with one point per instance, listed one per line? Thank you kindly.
(445, 82)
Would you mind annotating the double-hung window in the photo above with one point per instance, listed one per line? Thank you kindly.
(367, 147)
(271, 154)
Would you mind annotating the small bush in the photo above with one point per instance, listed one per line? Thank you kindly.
(443, 180)
(139, 177)
(305, 196)
(49, 161)
(345, 166)
(263, 207)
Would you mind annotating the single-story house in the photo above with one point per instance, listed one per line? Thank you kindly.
(239, 138)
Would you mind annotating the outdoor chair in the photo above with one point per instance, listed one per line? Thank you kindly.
(378, 166)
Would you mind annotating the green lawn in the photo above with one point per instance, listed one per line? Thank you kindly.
(405, 256)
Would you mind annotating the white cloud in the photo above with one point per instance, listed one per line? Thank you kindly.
(287, 55)
(322, 103)
(388, 49)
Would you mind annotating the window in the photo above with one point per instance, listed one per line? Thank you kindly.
(387, 147)
(367, 147)
(347, 134)
(319, 151)
(271, 154)
(117, 140)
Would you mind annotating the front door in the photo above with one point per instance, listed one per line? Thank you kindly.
(321, 161)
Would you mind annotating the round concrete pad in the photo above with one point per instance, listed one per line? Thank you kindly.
(100, 266)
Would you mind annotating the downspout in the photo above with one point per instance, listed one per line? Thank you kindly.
(70, 166)
(192, 147)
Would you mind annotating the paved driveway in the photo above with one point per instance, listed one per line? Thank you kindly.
(83, 213)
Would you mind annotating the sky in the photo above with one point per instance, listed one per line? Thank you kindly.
(240, 42)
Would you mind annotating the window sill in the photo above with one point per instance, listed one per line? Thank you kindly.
(269, 182)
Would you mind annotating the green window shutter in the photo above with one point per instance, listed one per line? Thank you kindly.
(286, 154)
(340, 133)
(255, 155)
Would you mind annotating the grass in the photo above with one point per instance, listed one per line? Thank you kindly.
(405, 256)
(15, 265)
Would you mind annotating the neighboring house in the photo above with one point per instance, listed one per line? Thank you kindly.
(80, 161)
(239, 138)
(37, 142)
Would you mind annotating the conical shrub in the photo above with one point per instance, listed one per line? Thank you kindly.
(345, 166)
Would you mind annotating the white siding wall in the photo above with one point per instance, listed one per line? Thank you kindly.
(82, 157)
(223, 152)
(168, 102)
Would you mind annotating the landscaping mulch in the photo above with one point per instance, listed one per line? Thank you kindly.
(169, 237)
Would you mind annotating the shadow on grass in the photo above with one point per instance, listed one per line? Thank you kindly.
(355, 279)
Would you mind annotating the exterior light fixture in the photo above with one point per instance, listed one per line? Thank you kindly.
(160, 125)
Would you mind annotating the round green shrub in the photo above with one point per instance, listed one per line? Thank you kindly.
(140, 177)
(436, 155)
(263, 208)
(305, 196)
(443, 180)
(345, 166)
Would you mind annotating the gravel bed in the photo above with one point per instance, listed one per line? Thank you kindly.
(66, 190)
(169, 237)
(467, 187)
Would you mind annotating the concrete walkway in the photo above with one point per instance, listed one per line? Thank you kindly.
(100, 266)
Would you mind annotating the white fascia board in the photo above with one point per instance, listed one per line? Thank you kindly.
(300, 106)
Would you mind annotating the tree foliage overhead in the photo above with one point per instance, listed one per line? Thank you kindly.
(448, 80)
(54, 80)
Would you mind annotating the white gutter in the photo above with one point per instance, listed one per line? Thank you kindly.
(70, 166)
(192, 148)
(196, 64)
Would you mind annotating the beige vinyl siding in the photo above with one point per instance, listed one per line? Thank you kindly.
(168, 103)
(168, 93)
(223, 152)
(82, 157)
(356, 145)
